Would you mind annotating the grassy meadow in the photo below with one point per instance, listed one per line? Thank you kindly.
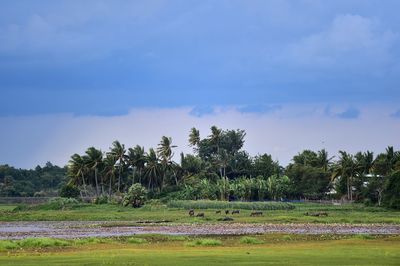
(354, 213)
(268, 249)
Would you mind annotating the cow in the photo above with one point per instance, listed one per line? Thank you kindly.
(256, 214)
(200, 214)
(218, 212)
(235, 211)
(226, 211)
(191, 212)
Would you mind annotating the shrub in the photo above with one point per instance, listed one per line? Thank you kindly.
(250, 240)
(391, 196)
(204, 242)
(7, 244)
(42, 242)
(135, 196)
(136, 240)
(364, 236)
(57, 204)
(103, 199)
(69, 191)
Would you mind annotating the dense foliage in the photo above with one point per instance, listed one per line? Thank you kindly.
(218, 169)
(41, 181)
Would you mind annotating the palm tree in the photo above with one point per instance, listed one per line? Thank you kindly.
(165, 153)
(347, 167)
(77, 169)
(109, 171)
(194, 138)
(93, 160)
(152, 169)
(323, 159)
(137, 159)
(118, 151)
(215, 137)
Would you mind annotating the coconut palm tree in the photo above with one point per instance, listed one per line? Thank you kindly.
(164, 152)
(194, 138)
(152, 170)
(346, 167)
(109, 171)
(118, 151)
(77, 169)
(323, 159)
(93, 160)
(137, 160)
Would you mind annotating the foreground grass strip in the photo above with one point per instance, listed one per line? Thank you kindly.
(384, 251)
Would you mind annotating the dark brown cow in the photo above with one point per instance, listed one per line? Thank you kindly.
(201, 214)
(235, 211)
(191, 212)
(256, 214)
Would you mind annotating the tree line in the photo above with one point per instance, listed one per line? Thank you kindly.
(219, 168)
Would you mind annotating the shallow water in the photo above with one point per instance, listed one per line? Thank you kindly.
(78, 229)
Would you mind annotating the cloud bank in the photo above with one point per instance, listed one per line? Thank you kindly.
(28, 141)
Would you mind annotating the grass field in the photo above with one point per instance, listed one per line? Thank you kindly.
(89, 212)
(267, 250)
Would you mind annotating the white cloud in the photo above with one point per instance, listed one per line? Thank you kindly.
(32, 140)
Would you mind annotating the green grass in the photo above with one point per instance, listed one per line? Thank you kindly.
(6, 207)
(298, 250)
(222, 205)
(136, 240)
(250, 240)
(204, 242)
(354, 213)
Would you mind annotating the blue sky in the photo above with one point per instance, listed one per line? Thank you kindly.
(103, 59)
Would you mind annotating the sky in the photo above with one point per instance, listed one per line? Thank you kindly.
(294, 74)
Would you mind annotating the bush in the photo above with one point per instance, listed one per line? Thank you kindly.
(209, 204)
(136, 196)
(250, 240)
(204, 242)
(69, 191)
(42, 242)
(103, 199)
(391, 194)
(136, 240)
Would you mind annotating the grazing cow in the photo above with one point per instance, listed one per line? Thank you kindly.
(200, 214)
(316, 214)
(218, 212)
(225, 219)
(227, 212)
(256, 214)
(191, 212)
(235, 211)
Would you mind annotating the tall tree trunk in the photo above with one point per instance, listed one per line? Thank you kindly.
(109, 187)
(119, 178)
(84, 184)
(97, 183)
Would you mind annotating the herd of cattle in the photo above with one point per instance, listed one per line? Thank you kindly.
(201, 214)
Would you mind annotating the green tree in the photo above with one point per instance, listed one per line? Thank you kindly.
(165, 154)
(136, 196)
(109, 171)
(94, 161)
(76, 170)
(118, 151)
(152, 170)
(137, 160)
